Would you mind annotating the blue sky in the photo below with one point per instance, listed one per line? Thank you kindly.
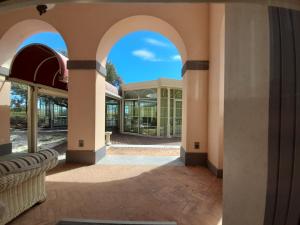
(52, 40)
(138, 56)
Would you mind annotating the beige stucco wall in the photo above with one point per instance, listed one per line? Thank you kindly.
(90, 36)
(90, 27)
(4, 111)
(195, 101)
(86, 110)
(246, 113)
(216, 84)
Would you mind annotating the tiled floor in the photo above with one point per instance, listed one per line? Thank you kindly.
(160, 191)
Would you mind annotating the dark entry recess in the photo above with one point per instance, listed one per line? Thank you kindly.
(283, 198)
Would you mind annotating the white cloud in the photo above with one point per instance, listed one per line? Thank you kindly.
(156, 42)
(176, 57)
(145, 55)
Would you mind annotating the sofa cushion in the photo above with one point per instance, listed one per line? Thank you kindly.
(26, 162)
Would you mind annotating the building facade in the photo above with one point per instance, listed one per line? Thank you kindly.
(151, 108)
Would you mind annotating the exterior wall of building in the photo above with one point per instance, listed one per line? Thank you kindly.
(83, 35)
(216, 86)
(161, 96)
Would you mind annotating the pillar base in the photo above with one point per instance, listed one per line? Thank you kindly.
(5, 149)
(217, 172)
(193, 158)
(89, 157)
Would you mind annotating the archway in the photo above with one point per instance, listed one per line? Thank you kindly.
(136, 23)
(156, 124)
(10, 44)
(17, 34)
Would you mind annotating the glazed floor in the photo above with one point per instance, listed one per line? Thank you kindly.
(190, 196)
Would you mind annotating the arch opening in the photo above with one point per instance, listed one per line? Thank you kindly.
(138, 23)
(16, 35)
(159, 101)
(35, 68)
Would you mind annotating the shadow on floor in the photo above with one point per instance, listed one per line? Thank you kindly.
(190, 196)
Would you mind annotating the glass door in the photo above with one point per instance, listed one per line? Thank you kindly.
(148, 117)
(131, 116)
(177, 118)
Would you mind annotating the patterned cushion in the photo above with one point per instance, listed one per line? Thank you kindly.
(26, 162)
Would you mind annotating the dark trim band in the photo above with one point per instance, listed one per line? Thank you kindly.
(5, 149)
(86, 65)
(193, 158)
(199, 159)
(217, 172)
(195, 65)
(88, 157)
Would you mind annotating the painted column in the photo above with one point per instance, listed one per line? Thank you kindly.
(158, 110)
(168, 124)
(86, 112)
(216, 88)
(195, 101)
(32, 119)
(5, 145)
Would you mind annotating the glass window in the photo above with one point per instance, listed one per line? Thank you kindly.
(178, 94)
(141, 94)
(164, 112)
(148, 115)
(18, 117)
(140, 113)
(112, 115)
(131, 123)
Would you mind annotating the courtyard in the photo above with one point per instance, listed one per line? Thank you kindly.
(188, 195)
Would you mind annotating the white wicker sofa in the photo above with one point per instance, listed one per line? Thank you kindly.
(22, 182)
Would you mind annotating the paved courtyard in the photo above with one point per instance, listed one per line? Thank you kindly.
(128, 139)
(130, 183)
(113, 191)
(46, 139)
(57, 139)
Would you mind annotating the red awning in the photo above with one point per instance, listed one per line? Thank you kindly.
(40, 64)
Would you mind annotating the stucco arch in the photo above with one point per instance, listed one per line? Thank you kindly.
(16, 34)
(136, 23)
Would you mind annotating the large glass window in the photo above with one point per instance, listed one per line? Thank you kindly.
(112, 115)
(131, 116)
(53, 112)
(141, 94)
(176, 112)
(18, 117)
(164, 112)
(140, 112)
(147, 116)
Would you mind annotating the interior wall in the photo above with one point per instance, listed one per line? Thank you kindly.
(246, 113)
(216, 84)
